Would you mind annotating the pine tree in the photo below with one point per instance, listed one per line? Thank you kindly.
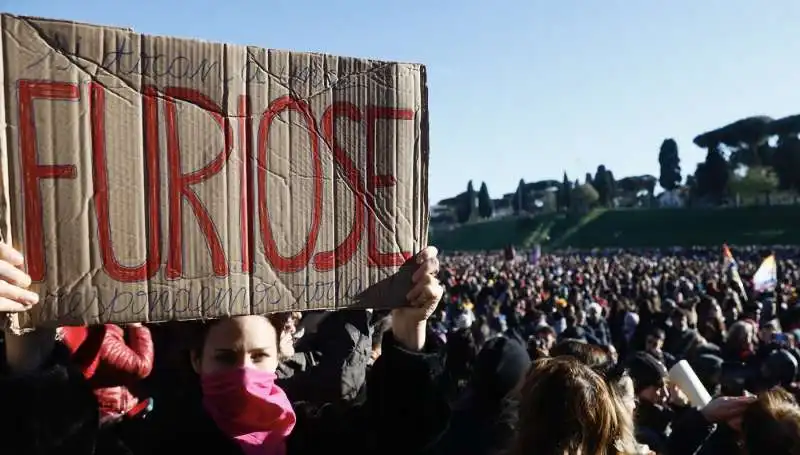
(471, 201)
(519, 198)
(565, 193)
(485, 206)
(670, 165)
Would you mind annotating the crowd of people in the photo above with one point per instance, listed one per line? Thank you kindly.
(631, 316)
(496, 353)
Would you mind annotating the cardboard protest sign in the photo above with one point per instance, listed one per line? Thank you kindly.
(152, 178)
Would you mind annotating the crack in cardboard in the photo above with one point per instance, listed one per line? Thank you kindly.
(144, 65)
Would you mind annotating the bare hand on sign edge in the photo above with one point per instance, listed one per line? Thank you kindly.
(14, 295)
(726, 409)
(409, 323)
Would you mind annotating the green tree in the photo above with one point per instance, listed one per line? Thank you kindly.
(650, 185)
(713, 176)
(465, 211)
(743, 139)
(584, 197)
(612, 186)
(786, 162)
(485, 207)
(549, 201)
(756, 181)
(588, 178)
(670, 163)
(564, 193)
(472, 200)
(462, 209)
(519, 198)
(603, 183)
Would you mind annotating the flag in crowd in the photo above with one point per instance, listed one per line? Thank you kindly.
(766, 277)
(733, 268)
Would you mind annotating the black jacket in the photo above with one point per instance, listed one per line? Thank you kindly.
(52, 411)
(404, 413)
(692, 434)
(484, 419)
(330, 364)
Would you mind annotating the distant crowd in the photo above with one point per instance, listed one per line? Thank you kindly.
(643, 310)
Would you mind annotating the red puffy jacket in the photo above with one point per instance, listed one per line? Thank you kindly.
(111, 365)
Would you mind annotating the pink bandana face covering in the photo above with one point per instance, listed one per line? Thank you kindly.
(247, 406)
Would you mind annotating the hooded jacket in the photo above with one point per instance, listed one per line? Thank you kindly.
(110, 364)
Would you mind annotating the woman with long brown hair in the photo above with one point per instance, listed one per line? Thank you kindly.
(566, 408)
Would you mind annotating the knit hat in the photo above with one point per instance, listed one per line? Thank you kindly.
(646, 371)
(708, 368)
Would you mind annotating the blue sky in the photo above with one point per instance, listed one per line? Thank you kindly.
(524, 89)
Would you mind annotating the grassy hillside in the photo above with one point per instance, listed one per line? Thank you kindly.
(632, 228)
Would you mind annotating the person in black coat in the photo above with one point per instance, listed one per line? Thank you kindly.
(481, 423)
(238, 408)
(53, 411)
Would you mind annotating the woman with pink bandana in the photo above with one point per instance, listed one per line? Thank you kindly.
(241, 410)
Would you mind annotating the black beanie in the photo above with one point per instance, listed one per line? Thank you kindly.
(646, 371)
(500, 365)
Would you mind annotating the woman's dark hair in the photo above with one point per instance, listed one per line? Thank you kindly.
(278, 320)
(587, 354)
(545, 330)
(613, 373)
(200, 333)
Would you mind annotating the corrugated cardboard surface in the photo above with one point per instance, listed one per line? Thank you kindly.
(154, 178)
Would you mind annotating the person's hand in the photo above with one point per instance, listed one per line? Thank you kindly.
(409, 323)
(677, 397)
(727, 409)
(285, 345)
(14, 294)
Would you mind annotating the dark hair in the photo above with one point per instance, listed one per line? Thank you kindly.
(679, 312)
(199, 338)
(611, 371)
(545, 330)
(536, 314)
(587, 354)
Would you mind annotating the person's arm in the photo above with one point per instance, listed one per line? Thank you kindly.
(405, 403)
(132, 361)
(405, 410)
(406, 406)
(691, 431)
